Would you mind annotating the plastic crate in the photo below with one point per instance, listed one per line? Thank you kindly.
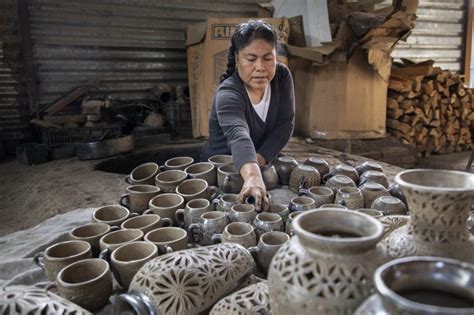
(53, 137)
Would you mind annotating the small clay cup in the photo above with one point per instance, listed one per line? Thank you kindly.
(242, 213)
(351, 197)
(60, 255)
(129, 258)
(229, 179)
(117, 238)
(301, 203)
(320, 164)
(178, 163)
(333, 205)
(91, 233)
(320, 195)
(166, 205)
(304, 176)
(389, 205)
(210, 223)
(225, 202)
(237, 232)
(372, 191)
(168, 239)
(282, 210)
(371, 212)
(112, 215)
(143, 174)
(87, 283)
(374, 176)
(267, 246)
(283, 166)
(203, 170)
(138, 196)
(368, 166)
(196, 189)
(339, 181)
(220, 159)
(169, 180)
(146, 222)
(266, 222)
(191, 213)
(346, 170)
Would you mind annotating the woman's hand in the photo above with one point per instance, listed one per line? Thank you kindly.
(254, 186)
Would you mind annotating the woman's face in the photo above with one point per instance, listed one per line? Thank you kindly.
(256, 64)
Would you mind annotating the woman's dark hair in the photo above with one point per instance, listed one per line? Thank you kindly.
(244, 34)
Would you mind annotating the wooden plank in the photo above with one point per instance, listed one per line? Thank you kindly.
(61, 119)
(468, 42)
(69, 98)
(26, 46)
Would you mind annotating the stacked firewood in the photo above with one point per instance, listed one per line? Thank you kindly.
(429, 108)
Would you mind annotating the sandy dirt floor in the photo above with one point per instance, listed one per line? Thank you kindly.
(31, 194)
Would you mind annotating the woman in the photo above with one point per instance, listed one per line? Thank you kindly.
(252, 114)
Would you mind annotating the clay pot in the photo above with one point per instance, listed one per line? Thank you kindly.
(22, 299)
(221, 159)
(371, 212)
(301, 203)
(268, 245)
(423, 286)
(270, 176)
(138, 196)
(389, 205)
(339, 181)
(191, 213)
(192, 189)
(304, 176)
(229, 179)
(266, 222)
(225, 202)
(143, 174)
(178, 163)
(169, 180)
(396, 192)
(374, 176)
(186, 282)
(320, 164)
(372, 191)
(369, 166)
(439, 203)
(320, 195)
(282, 210)
(204, 170)
(284, 165)
(327, 267)
(252, 299)
(351, 197)
(343, 169)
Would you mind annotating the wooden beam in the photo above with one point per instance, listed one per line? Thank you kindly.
(467, 43)
(26, 47)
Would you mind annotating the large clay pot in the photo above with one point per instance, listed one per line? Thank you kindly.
(327, 267)
(187, 282)
(439, 203)
(252, 299)
(34, 300)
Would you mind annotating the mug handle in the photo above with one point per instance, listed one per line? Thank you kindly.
(39, 260)
(148, 211)
(128, 180)
(214, 192)
(105, 255)
(179, 215)
(165, 222)
(291, 207)
(216, 238)
(226, 183)
(162, 168)
(215, 203)
(303, 192)
(122, 201)
(168, 249)
(132, 215)
(194, 235)
(138, 302)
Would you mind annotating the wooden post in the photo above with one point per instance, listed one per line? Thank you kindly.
(26, 46)
(468, 43)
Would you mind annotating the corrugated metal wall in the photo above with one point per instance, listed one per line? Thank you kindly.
(438, 34)
(14, 114)
(131, 45)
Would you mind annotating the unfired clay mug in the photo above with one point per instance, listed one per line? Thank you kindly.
(267, 246)
(112, 215)
(129, 258)
(146, 222)
(191, 213)
(301, 203)
(143, 174)
(168, 239)
(320, 195)
(137, 197)
(242, 213)
(169, 180)
(87, 283)
(91, 233)
(266, 222)
(60, 255)
(229, 179)
(196, 189)
(389, 205)
(225, 202)
(351, 197)
(220, 159)
(117, 238)
(178, 163)
(203, 170)
(166, 205)
(320, 164)
(237, 232)
(210, 223)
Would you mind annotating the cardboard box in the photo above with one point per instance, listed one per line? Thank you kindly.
(340, 99)
(341, 87)
(207, 48)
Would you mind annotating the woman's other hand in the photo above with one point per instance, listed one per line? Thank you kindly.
(254, 186)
